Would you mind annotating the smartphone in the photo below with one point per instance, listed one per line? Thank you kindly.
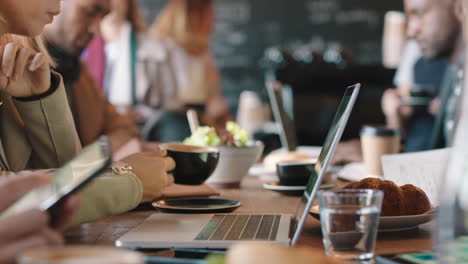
(424, 257)
(66, 180)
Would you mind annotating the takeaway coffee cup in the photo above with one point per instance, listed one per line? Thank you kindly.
(377, 141)
(394, 38)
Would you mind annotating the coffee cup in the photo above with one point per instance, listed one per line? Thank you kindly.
(394, 38)
(377, 141)
(295, 173)
(194, 164)
(81, 254)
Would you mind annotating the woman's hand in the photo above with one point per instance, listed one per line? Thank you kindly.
(24, 72)
(29, 229)
(152, 169)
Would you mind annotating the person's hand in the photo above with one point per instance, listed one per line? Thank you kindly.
(434, 106)
(152, 169)
(25, 230)
(62, 217)
(151, 147)
(347, 152)
(24, 72)
(391, 103)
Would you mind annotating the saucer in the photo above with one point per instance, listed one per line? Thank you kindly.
(196, 205)
(292, 190)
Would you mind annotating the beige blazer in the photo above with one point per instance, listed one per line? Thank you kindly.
(41, 134)
(37, 134)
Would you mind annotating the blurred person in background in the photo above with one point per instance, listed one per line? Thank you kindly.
(140, 177)
(410, 107)
(122, 29)
(66, 38)
(94, 114)
(176, 71)
(436, 27)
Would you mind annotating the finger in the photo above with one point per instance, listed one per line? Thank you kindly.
(9, 59)
(159, 153)
(13, 188)
(27, 223)
(170, 179)
(52, 237)
(22, 58)
(37, 62)
(12, 250)
(169, 164)
(66, 215)
(150, 146)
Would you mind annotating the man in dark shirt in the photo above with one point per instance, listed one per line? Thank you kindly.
(436, 26)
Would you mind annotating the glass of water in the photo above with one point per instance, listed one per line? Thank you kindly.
(349, 220)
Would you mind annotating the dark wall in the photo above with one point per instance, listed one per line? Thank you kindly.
(245, 28)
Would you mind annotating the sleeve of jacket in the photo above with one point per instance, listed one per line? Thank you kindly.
(49, 126)
(117, 127)
(109, 194)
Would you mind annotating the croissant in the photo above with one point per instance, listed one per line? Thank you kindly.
(405, 200)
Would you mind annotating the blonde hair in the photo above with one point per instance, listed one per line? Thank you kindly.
(184, 21)
(36, 43)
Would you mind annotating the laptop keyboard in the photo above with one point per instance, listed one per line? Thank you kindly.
(240, 227)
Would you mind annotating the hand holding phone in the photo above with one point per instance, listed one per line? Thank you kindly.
(31, 227)
(64, 182)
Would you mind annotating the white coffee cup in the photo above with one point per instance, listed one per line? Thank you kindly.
(394, 38)
(252, 113)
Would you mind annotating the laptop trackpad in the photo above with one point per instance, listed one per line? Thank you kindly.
(168, 227)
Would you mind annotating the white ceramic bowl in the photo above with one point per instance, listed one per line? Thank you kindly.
(234, 164)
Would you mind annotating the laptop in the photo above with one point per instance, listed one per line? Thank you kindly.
(224, 230)
(277, 93)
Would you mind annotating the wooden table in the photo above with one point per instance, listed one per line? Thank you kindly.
(258, 200)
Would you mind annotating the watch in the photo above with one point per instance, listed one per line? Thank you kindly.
(121, 168)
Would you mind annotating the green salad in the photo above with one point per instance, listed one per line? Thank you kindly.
(232, 136)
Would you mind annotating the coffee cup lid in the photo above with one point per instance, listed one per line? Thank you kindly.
(379, 131)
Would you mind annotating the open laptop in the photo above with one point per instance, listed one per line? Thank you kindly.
(277, 94)
(224, 230)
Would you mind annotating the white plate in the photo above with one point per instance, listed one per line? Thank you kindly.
(260, 170)
(292, 190)
(392, 223)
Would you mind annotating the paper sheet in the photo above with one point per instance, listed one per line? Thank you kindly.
(425, 170)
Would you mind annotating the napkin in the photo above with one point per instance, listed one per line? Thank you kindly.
(179, 190)
(425, 169)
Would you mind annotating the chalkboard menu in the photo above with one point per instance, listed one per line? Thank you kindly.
(245, 28)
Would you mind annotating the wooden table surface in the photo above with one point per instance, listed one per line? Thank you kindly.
(257, 200)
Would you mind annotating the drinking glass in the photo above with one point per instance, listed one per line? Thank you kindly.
(349, 220)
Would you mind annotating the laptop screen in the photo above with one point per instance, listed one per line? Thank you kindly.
(326, 154)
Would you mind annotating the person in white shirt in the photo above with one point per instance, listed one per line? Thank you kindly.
(174, 70)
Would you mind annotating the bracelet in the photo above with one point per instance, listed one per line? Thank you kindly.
(121, 168)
